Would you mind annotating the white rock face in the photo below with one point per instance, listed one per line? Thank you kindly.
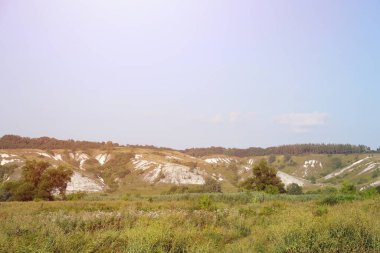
(57, 157)
(288, 179)
(216, 160)
(81, 183)
(8, 158)
(175, 174)
(5, 155)
(376, 183)
(370, 167)
(373, 184)
(102, 158)
(81, 158)
(141, 164)
(169, 173)
(217, 177)
(153, 175)
(44, 154)
(309, 165)
(348, 168)
(170, 157)
(3, 162)
(244, 169)
(312, 164)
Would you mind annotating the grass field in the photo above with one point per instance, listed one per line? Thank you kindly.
(235, 222)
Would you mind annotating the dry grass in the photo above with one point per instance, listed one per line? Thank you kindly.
(196, 223)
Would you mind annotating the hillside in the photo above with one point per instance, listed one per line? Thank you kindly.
(145, 170)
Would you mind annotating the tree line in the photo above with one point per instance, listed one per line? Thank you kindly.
(296, 149)
(18, 142)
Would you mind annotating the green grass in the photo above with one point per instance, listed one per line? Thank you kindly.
(236, 222)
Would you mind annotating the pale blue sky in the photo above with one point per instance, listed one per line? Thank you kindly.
(191, 73)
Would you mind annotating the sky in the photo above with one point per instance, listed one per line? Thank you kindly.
(193, 73)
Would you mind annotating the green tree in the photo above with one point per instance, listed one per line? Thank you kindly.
(33, 170)
(38, 180)
(294, 189)
(54, 179)
(264, 179)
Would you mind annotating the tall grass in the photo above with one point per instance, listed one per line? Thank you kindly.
(192, 223)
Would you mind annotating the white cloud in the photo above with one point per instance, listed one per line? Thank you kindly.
(232, 117)
(218, 118)
(302, 122)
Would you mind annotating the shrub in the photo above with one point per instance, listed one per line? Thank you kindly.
(312, 179)
(24, 192)
(271, 189)
(211, 185)
(348, 188)
(294, 189)
(204, 202)
(329, 200)
(369, 193)
(8, 189)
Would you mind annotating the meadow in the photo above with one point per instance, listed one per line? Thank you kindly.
(220, 222)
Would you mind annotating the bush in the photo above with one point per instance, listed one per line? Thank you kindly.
(211, 185)
(329, 200)
(8, 189)
(294, 189)
(204, 202)
(271, 189)
(348, 188)
(369, 193)
(24, 192)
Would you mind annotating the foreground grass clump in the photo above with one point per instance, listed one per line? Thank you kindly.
(237, 222)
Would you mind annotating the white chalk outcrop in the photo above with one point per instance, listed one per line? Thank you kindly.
(9, 158)
(102, 158)
(80, 183)
(175, 174)
(348, 168)
(216, 160)
(288, 179)
(79, 157)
